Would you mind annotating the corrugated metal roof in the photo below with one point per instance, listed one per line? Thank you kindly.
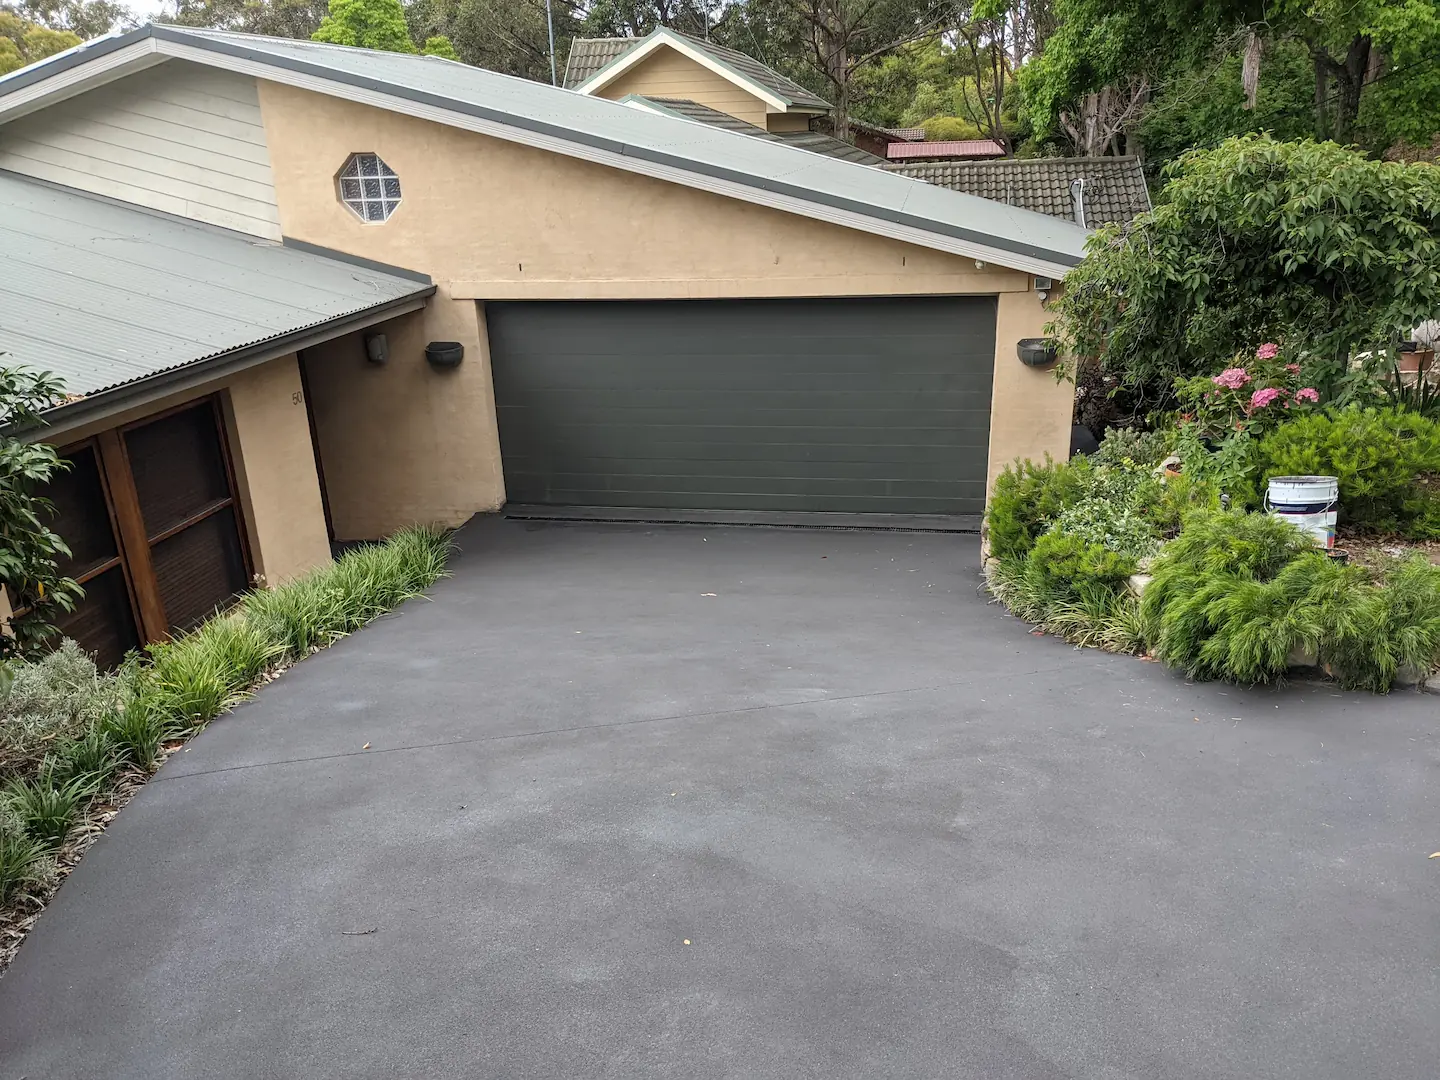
(950, 148)
(814, 141)
(1115, 189)
(589, 55)
(610, 127)
(103, 293)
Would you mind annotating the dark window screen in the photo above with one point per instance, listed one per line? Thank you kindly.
(199, 569)
(102, 623)
(81, 519)
(178, 463)
(179, 467)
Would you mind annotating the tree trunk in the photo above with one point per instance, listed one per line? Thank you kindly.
(1351, 77)
(1322, 86)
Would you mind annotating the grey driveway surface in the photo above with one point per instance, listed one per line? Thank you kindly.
(696, 802)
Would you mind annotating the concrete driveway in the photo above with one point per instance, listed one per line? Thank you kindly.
(704, 802)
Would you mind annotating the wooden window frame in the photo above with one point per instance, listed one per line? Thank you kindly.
(133, 541)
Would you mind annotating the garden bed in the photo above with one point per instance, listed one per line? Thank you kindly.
(76, 744)
(1230, 592)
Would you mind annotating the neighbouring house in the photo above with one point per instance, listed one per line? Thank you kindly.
(875, 139)
(306, 294)
(1089, 191)
(668, 64)
(814, 141)
(946, 149)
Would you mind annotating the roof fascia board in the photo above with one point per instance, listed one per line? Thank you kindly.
(131, 395)
(661, 36)
(792, 199)
(83, 69)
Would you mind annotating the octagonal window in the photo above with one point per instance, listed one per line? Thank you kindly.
(369, 187)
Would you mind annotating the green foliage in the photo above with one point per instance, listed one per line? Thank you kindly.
(1118, 528)
(23, 42)
(1256, 240)
(1064, 562)
(1202, 104)
(1237, 594)
(23, 860)
(366, 24)
(439, 45)
(1385, 459)
(46, 806)
(1129, 447)
(93, 756)
(1026, 498)
(137, 732)
(30, 553)
(193, 679)
(52, 701)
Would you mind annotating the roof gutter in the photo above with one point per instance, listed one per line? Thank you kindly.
(107, 403)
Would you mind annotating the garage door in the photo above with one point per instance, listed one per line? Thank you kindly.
(853, 405)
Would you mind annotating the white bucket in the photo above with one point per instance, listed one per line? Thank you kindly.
(1308, 502)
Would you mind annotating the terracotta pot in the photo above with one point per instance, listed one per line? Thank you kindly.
(1419, 360)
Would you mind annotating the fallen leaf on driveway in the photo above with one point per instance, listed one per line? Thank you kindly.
(359, 933)
(365, 747)
(707, 594)
(1434, 855)
(687, 941)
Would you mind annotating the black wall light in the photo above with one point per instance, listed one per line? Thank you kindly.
(1037, 352)
(377, 349)
(445, 354)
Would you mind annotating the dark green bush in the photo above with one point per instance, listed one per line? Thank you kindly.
(1026, 498)
(1237, 594)
(1063, 562)
(1381, 458)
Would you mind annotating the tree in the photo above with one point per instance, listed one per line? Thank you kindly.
(30, 553)
(23, 42)
(276, 18)
(509, 36)
(1308, 244)
(86, 19)
(366, 24)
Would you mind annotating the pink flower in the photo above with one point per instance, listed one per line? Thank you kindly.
(1307, 394)
(1261, 398)
(1232, 378)
(1294, 369)
(1268, 351)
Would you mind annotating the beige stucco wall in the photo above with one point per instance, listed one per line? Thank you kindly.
(275, 470)
(788, 121)
(667, 73)
(1030, 410)
(494, 220)
(270, 446)
(402, 442)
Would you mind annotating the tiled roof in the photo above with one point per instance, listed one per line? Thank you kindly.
(1115, 188)
(961, 148)
(908, 134)
(589, 55)
(814, 141)
(104, 293)
(763, 74)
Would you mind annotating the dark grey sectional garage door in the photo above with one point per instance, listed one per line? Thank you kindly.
(857, 406)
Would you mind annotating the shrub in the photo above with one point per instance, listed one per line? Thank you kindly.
(52, 701)
(136, 732)
(46, 806)
(93, 756)
(192, 679)
(1066, 563)
(23, 860)
(1111, 526)
(1379, 457)
(1236, 594)
(1026, 498)
(1132, 447)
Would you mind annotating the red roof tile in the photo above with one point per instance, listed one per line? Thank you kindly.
(963, 148)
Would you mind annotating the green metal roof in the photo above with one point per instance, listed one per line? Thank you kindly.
(104, 293)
